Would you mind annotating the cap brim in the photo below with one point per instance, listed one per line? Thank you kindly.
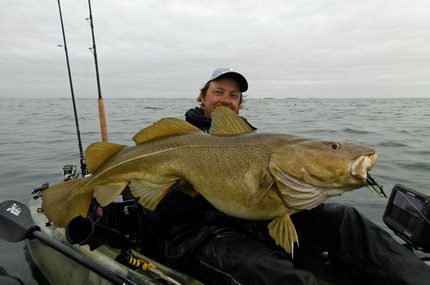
(239, 78)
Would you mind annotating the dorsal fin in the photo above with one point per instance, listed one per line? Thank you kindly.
(97, 153)
(164, 127)
(226, 122)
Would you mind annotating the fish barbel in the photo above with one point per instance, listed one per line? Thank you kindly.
(242, 173)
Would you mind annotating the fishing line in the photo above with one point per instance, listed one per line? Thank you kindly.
(385, 181)
(87, 58)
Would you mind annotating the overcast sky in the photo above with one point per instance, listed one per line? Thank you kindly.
(158, 48)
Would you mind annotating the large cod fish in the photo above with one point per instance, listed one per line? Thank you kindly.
(242, 173)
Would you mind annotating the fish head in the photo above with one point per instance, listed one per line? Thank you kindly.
(311, 170)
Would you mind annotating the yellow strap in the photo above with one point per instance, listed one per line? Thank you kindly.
(145, 264)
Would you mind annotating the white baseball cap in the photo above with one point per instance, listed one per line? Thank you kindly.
(228, 72)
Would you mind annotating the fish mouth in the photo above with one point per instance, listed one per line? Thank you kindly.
(360, 169)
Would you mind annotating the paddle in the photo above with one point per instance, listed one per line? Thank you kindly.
(16, 225)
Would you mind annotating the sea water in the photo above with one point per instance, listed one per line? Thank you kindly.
(39, 136)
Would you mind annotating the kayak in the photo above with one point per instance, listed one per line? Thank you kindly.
(66, 256)
(62, 260)
(59, 269)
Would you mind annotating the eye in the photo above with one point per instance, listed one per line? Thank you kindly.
(334, 145)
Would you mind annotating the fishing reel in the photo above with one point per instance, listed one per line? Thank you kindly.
(69, 171)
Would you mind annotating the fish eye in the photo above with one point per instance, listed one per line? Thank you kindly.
(334, 145)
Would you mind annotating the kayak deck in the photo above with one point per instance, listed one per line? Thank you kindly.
(59, 269)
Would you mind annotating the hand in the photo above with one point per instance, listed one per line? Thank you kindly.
(185, 187)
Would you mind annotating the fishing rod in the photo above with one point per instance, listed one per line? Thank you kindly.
(102, 112)
(81, 152)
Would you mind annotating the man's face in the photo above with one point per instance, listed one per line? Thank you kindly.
(222, 92)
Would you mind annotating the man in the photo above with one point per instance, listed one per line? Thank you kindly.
(197, 239)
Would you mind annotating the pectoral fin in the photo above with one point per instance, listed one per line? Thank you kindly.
(265, 184)
(106, 193)
(150, 194)
(293, 191)
(284, 233)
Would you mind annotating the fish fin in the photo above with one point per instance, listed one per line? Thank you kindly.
(150, 194)
(106, 193)
(164, 127)
(226, 122)
(284, 233)
(293, 191)
(97, 153)
(265, 184)
(60, 206)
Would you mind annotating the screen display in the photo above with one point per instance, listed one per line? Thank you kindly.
(406, 211)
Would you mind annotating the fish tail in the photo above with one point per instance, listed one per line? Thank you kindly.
(60, 206)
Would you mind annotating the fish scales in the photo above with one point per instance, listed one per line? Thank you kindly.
(195, 161)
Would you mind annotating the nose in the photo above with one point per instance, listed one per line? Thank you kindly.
(225, 100)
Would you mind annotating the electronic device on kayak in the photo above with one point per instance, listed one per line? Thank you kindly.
(408, 215)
